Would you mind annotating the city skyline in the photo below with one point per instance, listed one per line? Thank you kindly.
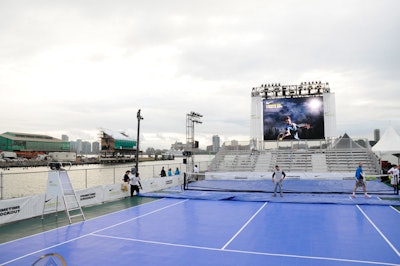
(84, 146)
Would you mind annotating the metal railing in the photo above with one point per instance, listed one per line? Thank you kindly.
(17, 183)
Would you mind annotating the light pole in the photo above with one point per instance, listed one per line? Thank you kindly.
(139, 117)
(191, 119)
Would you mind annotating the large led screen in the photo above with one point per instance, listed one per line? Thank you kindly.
(293, 118)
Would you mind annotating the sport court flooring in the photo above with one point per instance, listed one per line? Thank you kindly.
(172, 231)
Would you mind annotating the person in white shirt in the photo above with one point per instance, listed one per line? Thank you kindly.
(195, 175)
(196, 169)
(394, 175)
(135, 184)
(277, 177)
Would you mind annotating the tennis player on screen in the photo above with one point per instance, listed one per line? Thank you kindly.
(277, 177)
(360, 182)
(292, 129)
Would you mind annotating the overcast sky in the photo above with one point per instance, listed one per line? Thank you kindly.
(73, 67)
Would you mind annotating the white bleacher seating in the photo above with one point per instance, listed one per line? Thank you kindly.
(328, 160)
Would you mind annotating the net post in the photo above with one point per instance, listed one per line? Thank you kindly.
(184, 181)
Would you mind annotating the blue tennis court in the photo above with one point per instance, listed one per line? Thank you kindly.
(172, 231)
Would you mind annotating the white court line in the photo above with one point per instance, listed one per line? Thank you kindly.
(395, 209)
(248, 252)
(379, 231)
(140, 216)
(241, 229)
(82, 236)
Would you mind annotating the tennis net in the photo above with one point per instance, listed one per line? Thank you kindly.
(263, 184)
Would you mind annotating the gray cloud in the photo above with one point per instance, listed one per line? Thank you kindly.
(76, 66)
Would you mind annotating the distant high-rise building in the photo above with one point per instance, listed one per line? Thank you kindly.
(73, 145)
(79, 146)
(86, 147)
(215, 143)
(64, 138)
(96, 147)
(377, 135)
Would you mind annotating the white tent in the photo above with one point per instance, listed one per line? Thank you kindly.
(388, 145)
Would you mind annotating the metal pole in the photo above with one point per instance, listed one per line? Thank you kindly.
(139, 117)
(192, 149)
(1, 185)
(191, 119)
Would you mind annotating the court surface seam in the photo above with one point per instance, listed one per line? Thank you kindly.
(243, 251)
(379, 231)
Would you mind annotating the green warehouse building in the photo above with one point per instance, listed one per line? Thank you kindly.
(26, 144)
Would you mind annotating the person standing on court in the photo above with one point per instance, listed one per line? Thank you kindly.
(394, 175)
(135, 183)
(360, 181)
(196, 171)
(277, 178)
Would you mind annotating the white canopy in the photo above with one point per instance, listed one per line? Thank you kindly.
(388, 145)
(390, 141)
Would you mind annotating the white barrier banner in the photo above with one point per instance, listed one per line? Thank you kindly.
(20, 208)
(114, 192)
(23, 208)
(154, 184)
(90, 196)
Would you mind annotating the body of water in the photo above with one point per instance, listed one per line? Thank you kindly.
(21, 182)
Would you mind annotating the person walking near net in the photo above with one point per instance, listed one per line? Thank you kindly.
(135, 183)
(360, 182)
(277, 177)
